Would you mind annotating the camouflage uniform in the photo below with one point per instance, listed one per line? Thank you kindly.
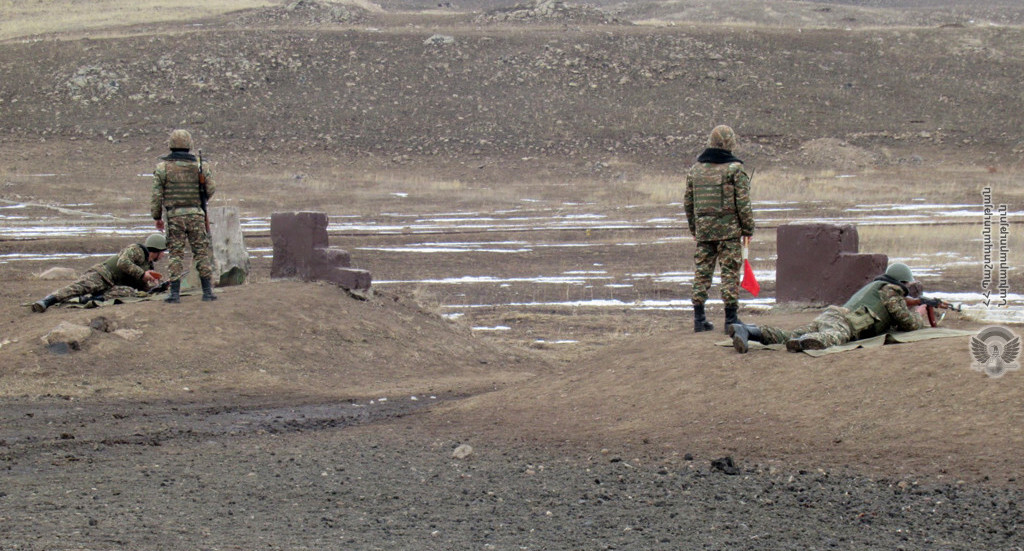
(126, 268)
(718, 212)
(176, 194)
(875, 309)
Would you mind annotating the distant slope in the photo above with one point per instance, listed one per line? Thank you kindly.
(517, 92)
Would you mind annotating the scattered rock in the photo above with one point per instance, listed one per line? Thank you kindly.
(57, 273)
(463, 451)
(439, 40)
(128, 334)
(61, 348)
(725, 465)
(67, 333)
(103, 325)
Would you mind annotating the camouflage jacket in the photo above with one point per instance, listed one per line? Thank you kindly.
(717, 202)
(176, 188)
(127, 267)
(879, 307)
(903, 318)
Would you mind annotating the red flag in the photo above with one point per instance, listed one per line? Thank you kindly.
(749, 282)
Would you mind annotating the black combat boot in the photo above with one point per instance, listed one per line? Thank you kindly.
(207, 289)
(40, 306)
(731, 317)
(742, 334)
(700, 321)
(174, 293)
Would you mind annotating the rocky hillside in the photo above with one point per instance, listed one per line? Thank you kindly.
(319, 78)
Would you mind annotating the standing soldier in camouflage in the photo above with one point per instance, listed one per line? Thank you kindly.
(873, 310)
(132, 267)
(176, 194)
(719, 215)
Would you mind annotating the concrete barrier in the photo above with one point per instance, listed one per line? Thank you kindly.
(230, 257)
(301, 251)
(820, 263)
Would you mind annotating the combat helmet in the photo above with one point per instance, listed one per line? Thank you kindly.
(180, 139)
(156, 242)
(722, 137)
(900, 272)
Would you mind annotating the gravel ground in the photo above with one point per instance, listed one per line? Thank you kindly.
(162, 477)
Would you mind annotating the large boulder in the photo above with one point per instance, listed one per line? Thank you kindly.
(66, 336)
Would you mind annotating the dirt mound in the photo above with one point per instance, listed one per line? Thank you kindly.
(914, 407)
(273, 337)
(549, 11)
(836, 154)
(306, 12)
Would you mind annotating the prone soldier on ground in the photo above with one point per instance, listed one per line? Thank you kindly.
(181, 187)
(721, 221)
(132, 267)
(874, 309)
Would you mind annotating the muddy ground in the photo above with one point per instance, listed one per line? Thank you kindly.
(292, 415)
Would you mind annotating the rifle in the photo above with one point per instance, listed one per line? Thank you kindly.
(203, 195)
(932, 305)
(163, 286)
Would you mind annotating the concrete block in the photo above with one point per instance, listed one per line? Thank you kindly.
(230, 257)
(820, 263)
(301, 250)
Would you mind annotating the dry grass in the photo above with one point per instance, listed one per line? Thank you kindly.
(888, 185)
(935, 245)
(22, 18)
(911, 241)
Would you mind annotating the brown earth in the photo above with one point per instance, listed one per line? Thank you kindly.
(292, 415)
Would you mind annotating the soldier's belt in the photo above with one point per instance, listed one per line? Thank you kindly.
(181, 211)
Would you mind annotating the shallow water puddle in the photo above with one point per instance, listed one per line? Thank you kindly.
(24, 221)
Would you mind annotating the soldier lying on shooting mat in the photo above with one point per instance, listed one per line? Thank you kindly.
(876, 308)
(132, 267)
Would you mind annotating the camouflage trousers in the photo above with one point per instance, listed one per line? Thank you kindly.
(89, 284)
(830, 327)
(191, 228)
(729, 255)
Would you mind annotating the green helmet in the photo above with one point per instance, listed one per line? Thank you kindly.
(156, 242)
(180, 139)
(722, 137)
(900, 272)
